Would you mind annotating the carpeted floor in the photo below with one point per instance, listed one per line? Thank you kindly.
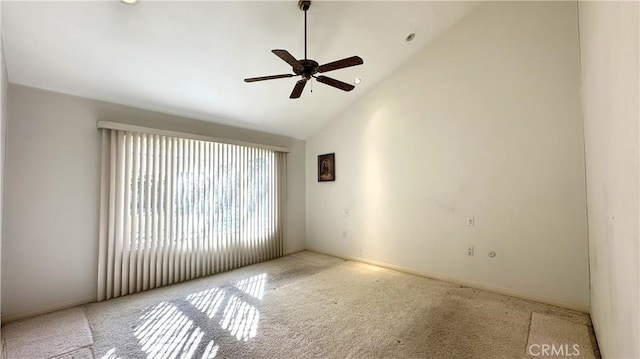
(308, 305)
(63, 334)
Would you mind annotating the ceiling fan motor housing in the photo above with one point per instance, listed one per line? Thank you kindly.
(309, 68)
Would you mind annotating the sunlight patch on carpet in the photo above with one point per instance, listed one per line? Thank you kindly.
(111, 354)
(207, 301)
(240, 319)
(167, 333)
(253, 286)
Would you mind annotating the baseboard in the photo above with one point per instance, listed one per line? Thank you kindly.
(572, 306)
(73, 303)
(66, 305)
(294, 252)
(49, 309)
(498, 290)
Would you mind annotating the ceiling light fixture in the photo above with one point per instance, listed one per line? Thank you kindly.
(357, 81)
(129, 1)
(411, 36)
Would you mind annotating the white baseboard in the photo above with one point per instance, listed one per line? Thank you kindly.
(49, 309)
(573, 306)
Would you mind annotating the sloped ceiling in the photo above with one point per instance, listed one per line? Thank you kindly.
(190, 58)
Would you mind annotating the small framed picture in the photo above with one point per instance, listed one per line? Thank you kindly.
(327, 167)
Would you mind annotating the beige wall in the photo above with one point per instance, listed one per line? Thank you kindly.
(52, 193)
(484, 122)
(3, 122)
(610, 80)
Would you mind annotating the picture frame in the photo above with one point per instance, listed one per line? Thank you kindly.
(327, 167)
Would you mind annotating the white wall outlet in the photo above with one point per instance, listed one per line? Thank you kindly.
(471, 221)
(470, 251)
(345, 212)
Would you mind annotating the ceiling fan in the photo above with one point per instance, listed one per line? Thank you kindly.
(308, 68)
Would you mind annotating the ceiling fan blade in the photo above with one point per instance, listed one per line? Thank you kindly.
(288, 58)
(340, 64)
(272, 77)
(335, 83)
(297, 90)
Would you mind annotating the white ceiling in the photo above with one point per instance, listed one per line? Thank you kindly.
(190, 58)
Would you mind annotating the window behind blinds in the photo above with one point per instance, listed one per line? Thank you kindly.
(173, 209)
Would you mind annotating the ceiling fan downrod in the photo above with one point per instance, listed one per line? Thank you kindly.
(304, 5)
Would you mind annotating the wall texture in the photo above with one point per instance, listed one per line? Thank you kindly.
(610, 80)
(52, 193)
(484, 122)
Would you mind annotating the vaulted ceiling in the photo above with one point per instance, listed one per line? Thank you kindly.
(190, 58)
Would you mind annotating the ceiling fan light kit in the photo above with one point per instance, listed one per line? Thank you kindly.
(307, 68)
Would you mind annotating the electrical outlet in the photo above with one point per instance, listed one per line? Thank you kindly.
(471, 221)
(470, 251)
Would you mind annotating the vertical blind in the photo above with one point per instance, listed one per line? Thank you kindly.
(173, 209)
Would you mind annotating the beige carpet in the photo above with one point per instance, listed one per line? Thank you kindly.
(84, 353)
(63, 334)
(553, 336)
(313, 306)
